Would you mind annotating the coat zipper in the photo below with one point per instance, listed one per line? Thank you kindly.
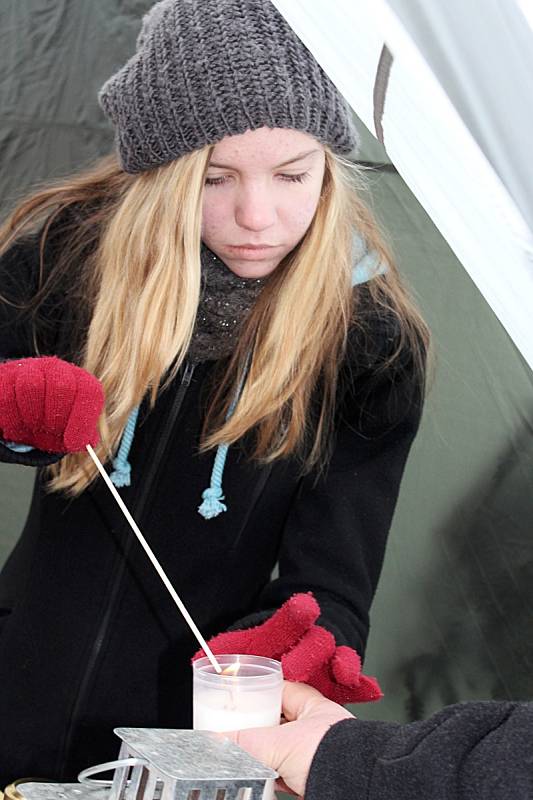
(137, 512)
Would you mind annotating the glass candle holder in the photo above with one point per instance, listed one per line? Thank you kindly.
(247, 694)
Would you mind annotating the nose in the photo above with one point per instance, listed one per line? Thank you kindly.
(255, 209)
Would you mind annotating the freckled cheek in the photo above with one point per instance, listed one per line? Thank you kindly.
(215, 218)
(300, 216)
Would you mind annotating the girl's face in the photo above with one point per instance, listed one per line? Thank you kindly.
(261, 193)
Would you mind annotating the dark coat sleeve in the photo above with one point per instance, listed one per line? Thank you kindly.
(24, 331)
(464, 752)
(336, 532)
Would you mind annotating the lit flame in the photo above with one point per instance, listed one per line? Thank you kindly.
(231, 669)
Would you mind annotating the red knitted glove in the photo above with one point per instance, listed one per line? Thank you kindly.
(49, 404)
(307, 652)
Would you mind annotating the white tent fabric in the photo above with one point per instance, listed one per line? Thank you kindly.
(429, 141)
(482, 53)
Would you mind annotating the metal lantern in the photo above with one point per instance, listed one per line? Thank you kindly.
(162, 764)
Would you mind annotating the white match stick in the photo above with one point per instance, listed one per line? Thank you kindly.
(150, 553)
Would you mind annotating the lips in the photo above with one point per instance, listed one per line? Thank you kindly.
(251, 252)
(251, 246)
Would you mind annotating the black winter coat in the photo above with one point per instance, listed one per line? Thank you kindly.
(89, 638)
(468, 751)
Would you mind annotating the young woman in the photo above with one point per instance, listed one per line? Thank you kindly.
(263, 373)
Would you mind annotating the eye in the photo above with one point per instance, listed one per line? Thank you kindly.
(216, 181)
(300, 178)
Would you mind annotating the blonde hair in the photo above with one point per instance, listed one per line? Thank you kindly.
(142, 285)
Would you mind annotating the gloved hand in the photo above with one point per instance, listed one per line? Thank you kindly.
(49, 404)
(307, 652)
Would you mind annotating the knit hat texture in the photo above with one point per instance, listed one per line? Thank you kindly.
(206, 69)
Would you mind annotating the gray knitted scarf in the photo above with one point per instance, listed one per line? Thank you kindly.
(225, 301)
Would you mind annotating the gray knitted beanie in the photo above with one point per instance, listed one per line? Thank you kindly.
(206, 69)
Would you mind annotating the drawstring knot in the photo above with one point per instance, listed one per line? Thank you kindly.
(121, 475)
(213, 495)
(212, 504)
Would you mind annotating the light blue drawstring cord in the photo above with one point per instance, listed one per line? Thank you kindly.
(213, 496)
(121, 475)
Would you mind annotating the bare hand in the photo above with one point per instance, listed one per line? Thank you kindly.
(289, 748)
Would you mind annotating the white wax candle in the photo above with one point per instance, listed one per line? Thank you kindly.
(233, 711)
(247, 694)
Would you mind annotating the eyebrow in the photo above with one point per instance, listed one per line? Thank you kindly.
(299, 157)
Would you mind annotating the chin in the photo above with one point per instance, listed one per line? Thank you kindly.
(251, 269)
